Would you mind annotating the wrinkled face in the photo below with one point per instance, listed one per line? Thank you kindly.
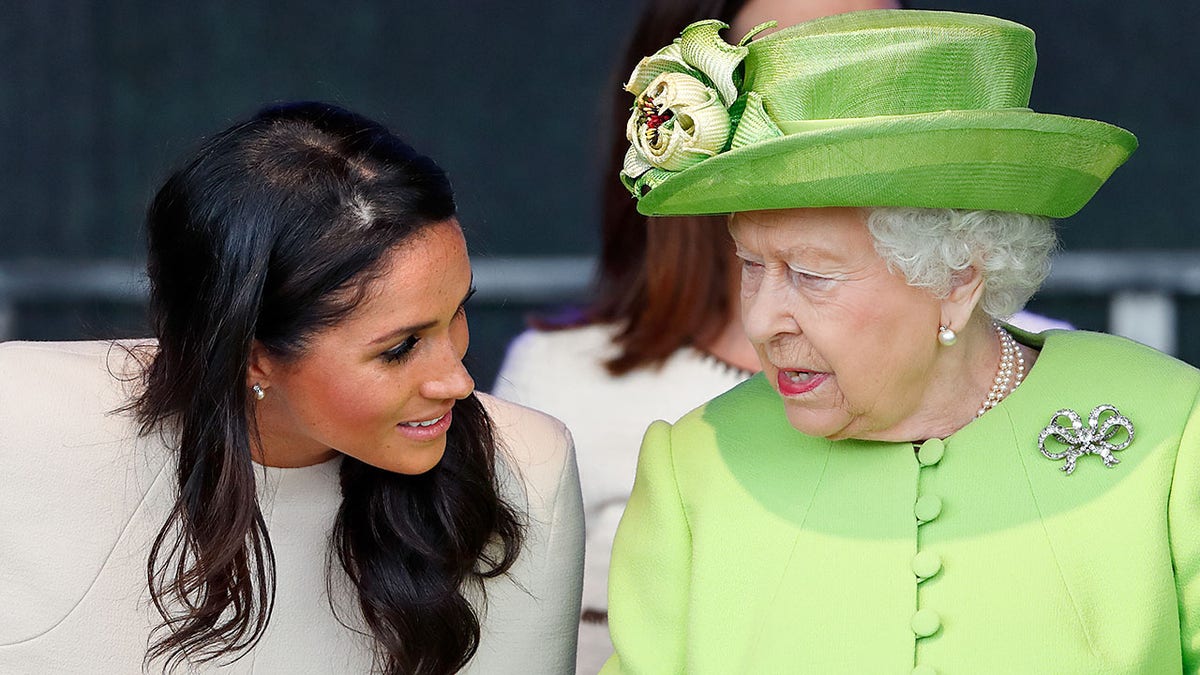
(380, 385)
(848, 345)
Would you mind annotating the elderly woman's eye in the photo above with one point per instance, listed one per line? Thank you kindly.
(752, 273)
(802, 278)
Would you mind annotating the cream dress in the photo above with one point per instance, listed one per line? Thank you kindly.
(82, 497)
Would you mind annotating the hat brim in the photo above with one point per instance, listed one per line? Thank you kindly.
(998, 160)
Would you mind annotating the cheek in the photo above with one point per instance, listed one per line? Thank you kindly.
(460, 336)
(887, 354)
(344, 402)
(864, 342)
(751, 279)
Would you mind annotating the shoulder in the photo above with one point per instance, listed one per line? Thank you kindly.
(579, 339)
(539, 363)
(1080, 371)
(533, 610)
(64, 421)
(565, 373)
(62, 411)
(533, 436)
(79, 350)
(753, 399)
(744, 420)
(77, 361)
(56, 385)
(73, 474)
(1102, 360)
(67, 393)
(538, 447)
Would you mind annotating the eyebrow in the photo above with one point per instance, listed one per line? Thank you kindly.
(796, 253)
(408, 330)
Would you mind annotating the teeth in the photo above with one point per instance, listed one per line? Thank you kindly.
(798, 376)
(426, 423)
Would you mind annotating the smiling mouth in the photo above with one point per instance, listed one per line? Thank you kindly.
(426, 423)
(426, 430)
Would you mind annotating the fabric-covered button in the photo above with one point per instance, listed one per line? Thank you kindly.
(924, 670)
(926, 622)
(926, 564)
(931, 452)
(927, 507)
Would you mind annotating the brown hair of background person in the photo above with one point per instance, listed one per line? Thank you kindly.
(641, 283)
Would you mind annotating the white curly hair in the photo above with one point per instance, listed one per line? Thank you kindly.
(931, 246)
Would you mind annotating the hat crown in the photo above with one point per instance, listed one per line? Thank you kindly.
(881, 108)
(877, 63)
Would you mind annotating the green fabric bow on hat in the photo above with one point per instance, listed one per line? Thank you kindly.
(876, 108)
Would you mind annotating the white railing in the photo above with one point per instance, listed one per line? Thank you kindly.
(1142, 287)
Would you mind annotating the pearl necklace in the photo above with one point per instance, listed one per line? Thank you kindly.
(1010, 358)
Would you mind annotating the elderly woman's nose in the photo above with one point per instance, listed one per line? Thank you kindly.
(765, 312)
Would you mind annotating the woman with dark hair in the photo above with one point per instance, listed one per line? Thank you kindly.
(296, 476)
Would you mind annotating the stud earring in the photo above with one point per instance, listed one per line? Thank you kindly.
(947, 336)
(259, 393)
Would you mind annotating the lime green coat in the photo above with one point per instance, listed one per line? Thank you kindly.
(748, 547)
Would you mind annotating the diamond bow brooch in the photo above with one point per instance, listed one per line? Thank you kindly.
(1103, 424)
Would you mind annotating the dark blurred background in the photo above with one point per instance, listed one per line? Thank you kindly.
(98, 100)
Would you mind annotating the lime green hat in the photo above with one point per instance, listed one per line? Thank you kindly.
(875, 108)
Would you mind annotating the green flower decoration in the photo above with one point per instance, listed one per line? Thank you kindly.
(687, 104)
(678, 121)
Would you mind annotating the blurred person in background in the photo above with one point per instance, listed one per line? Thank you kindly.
(296, 475)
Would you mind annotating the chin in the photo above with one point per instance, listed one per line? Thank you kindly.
(411, 461)
(818, 423)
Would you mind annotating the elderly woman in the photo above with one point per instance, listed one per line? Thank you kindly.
(909, 485)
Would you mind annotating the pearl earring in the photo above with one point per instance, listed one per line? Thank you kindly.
(947, 336)
(258, 391)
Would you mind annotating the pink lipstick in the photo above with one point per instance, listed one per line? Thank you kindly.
(796, 382)
(426, 430)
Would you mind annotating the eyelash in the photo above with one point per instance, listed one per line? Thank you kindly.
(805, 276)
(462, 309)
(402, 350)
(797, 277)
(812, 281)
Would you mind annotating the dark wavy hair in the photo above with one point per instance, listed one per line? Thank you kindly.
(268, 235)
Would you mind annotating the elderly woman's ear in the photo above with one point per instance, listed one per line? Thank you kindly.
(959, 304)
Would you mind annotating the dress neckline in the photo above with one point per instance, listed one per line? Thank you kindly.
(719, 363)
